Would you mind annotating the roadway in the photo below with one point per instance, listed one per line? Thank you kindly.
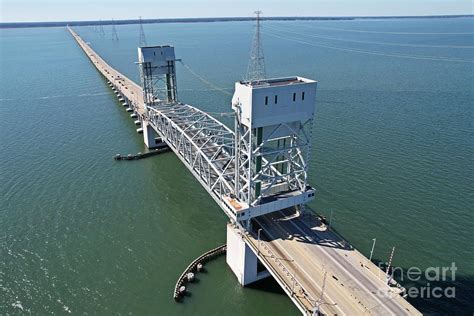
(126, 87)
(352, 286)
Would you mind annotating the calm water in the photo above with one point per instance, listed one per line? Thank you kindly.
(392, 159)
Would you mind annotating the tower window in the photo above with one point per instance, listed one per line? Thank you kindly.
(276, 99)
(266, 100)
(302, 96)
(294, 96)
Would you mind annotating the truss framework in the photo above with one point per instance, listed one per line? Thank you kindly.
(211, 151)
(264, 162)
(158, 88)
(205, 145)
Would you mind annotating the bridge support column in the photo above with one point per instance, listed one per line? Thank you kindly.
(241, 258)
(149, 135)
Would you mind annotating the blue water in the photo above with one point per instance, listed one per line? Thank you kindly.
(393, 145)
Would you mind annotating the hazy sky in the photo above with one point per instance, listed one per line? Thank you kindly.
(67, 10)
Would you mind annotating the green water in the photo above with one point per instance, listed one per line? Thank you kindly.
(393, 145)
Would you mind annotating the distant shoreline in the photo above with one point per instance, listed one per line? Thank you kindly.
(4, 25)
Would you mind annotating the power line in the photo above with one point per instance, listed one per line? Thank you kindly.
(396, 33)
(362, 51)
(366, 42)
(256, 68)
(221, 113)
(205, 80)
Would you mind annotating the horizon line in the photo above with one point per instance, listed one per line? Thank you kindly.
(212, 19)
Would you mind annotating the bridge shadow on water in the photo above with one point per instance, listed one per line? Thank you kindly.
(267, 285)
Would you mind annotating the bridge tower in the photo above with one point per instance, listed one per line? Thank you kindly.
(273, 141)
(157, 65)
(273, 120)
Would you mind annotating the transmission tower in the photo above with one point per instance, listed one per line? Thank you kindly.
(114, 32)
(256, 67)
(142, 41)
(101, 29)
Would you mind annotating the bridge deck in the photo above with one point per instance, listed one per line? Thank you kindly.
(127, 87)
(297, 250)
(353, 286)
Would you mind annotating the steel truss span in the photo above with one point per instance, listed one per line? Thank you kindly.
(205, 145)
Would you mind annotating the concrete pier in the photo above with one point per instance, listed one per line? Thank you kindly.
(241, 258)
(149, 136)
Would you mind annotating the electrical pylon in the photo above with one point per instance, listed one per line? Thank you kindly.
(256, 68)
(142, 41)
(114, 32)
(101, 29)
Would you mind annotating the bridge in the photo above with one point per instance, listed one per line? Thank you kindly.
(257, 174)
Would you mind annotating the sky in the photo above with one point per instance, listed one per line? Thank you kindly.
(77, 10)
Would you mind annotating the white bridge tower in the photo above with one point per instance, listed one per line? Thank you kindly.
(273, 123)
(273, 120)
(157, 65)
